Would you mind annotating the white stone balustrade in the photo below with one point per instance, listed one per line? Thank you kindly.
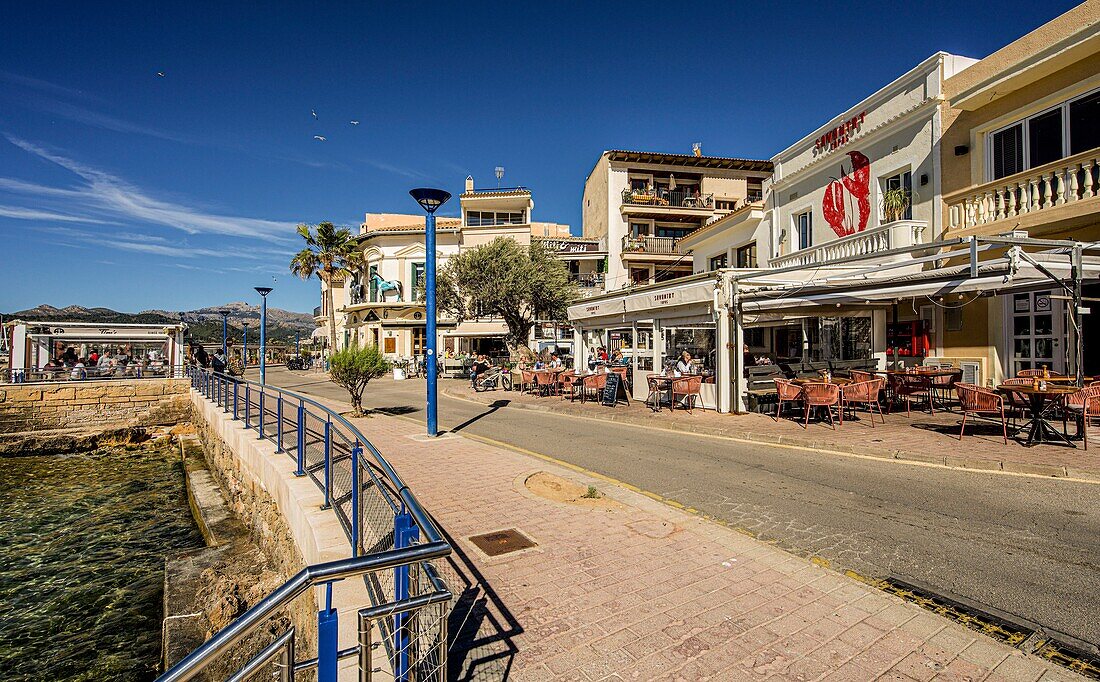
(894, 235)
(1061, 182)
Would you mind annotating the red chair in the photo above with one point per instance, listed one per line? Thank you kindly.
(976, 400)
(568, 380)
(594, 383)
(1030, 373)
(944, 385)
(546, 383)
(1084, 405)
(909, 386)
(859, 376)
(863, 393)
(821, 395)
(788, 393)
(690, 388)
(527, 380)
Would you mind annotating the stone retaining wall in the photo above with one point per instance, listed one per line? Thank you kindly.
(115, 403)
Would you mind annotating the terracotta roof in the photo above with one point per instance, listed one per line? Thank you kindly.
(570, 238)
(413, 227)
(761, 165)
(503, 192)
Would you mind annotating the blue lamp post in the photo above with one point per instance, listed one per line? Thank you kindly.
(263, 292)
(244, 350)
(225, 334)
(430, 200)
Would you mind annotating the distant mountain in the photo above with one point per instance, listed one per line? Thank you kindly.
(203, 325)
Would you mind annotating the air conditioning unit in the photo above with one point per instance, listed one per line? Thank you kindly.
(972, 372)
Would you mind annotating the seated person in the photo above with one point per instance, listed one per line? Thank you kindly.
(555, 362)
(480, 366)
(683, 365)
(617, 358)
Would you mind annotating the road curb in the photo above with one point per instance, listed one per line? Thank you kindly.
(945, 461)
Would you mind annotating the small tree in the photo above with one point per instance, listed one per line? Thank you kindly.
(507, 281)
(353, 368)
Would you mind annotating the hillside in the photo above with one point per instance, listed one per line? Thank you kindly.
(204, 324)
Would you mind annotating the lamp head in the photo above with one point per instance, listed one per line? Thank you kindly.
(430, 199)
(264, 291)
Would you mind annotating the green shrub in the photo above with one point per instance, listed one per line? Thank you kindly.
(353, 368)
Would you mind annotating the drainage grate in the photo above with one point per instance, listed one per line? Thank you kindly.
(502, 542)
(1076, 660)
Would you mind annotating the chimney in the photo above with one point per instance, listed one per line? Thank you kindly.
(469, 183)
(697, 149)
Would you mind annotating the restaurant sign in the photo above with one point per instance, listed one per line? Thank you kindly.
(839, 135)
(565, 246)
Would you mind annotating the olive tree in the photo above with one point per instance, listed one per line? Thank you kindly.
(353, 368)
(507, 281)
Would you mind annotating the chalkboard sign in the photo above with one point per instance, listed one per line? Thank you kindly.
(610, 395)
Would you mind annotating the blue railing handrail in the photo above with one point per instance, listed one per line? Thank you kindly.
(412, 505)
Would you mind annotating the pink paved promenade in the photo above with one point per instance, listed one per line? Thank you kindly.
(645, 591)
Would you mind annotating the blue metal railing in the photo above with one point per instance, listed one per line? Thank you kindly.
(379, 515)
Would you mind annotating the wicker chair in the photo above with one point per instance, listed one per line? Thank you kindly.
(976, 400)
(1030, 373)
(943, 386)
(568, 381)
(594, 383)
(527, 380)
(788, 393)
(909, 386)
(1084, 405)
(690, 388)
(546, 383)
(859, 376)
(821, 395)
(863, 393)
(1016, 401)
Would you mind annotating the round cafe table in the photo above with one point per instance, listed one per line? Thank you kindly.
(839, 381)
(1042, 399)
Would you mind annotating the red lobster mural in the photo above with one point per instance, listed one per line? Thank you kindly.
(837, 205)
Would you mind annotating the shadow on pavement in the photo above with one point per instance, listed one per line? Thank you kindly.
(396, 410)
(481, 626)
(496, 405)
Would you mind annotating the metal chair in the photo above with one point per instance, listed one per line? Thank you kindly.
(1084, 405)
(594, 383)
(788, 393)
(863, 393)
(976, 400)
(690, 388)
(909, 386)
(1030, 373)
(822, 395)
(1016, 401)
(859, 376)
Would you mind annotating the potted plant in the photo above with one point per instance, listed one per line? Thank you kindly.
(895, 202)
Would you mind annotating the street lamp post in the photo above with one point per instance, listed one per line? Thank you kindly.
(225, 334)
(430, 200)
(244, 350)
(263, 292)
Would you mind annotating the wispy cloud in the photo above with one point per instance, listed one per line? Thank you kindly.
(141, 243)
(98, 119)
(396, 170)
(102, 195)
(43, 86)
(33, 214)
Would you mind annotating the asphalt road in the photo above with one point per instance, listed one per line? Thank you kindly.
(1025, 546)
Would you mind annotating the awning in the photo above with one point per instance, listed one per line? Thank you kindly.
(689, 296)
(319, 332)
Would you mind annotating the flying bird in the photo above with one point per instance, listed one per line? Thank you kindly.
(313, 112)
(320, 138)
(355, 123)
(160, 74)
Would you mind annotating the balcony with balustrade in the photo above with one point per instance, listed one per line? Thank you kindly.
(649, 248)
(667, 204)
(876, 240)
(1051, 198)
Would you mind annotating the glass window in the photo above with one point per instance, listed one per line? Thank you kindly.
(1084, 123)
(639, 229)
(717, 262)
(417, 280)
(902, 181)
(1045, 138)
(746, 256)
(674, 232)
(804, 229)
(1008, 151)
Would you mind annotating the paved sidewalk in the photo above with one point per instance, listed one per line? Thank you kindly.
(644, 591)
(921, 437)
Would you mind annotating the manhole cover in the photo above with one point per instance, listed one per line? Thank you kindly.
(502, 542)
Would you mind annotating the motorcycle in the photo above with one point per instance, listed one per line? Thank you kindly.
(295, 362)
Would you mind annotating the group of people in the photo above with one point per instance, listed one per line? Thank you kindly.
(481, 365)
(102, 363)
(200, 358)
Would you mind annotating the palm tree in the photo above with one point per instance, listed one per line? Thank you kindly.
(329, 251)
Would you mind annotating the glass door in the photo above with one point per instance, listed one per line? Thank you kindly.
(1038, 333)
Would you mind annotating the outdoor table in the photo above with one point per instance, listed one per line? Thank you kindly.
(839, 381)
(658, 384)
(1041, 399)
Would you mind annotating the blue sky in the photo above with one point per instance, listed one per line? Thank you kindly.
(128, 190)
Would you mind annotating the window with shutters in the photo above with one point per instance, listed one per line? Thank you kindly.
(1070, 128)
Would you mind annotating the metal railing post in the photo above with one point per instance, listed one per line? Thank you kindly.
(328, 465)
(225, 394)
(301, 454)
(236, 386)
(327, 639)
(366, 665)
(356, 453)
(247, 404)
(405, 534)
(279, 424)
(443, 643)
(260, 425)
(286, 662)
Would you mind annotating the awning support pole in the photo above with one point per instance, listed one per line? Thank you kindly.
(1075, 316)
